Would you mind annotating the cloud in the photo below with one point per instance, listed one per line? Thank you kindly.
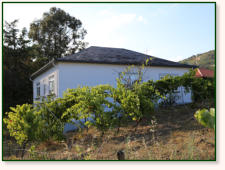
(106, 31)
(21, 11)
(112, 20)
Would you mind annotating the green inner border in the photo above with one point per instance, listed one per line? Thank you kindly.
(110, 2)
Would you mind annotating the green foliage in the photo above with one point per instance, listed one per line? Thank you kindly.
(42, 122)
(24, 123)
(133, 97)
(203, 89)
(107, 106)
(206, 117)
(57, 34)
(10, 34)
(167, 87)
(128, 101)
(51, 111)
(17, 88)
(102, 107)
(204, 60)
(92, 103)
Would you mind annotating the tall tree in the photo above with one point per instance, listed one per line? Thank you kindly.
(17, 66)
(10, 34)
(57, 34)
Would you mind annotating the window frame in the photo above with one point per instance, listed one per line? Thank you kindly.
(51, 85)
(38, 90)
(128, 75)
(44, 88)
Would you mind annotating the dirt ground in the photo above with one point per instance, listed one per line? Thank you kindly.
(175, 135)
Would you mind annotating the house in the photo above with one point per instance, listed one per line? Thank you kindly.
(204, 73)
(101, 65)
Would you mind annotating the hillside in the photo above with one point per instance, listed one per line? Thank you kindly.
(204, 60)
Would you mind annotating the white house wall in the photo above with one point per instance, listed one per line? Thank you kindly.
(72, 75)
(44, 78)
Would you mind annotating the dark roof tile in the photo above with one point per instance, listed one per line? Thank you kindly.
(107, 55)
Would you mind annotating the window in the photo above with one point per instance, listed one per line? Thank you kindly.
(44, 85)
(129, 78)
(38, 89)
(51, 84)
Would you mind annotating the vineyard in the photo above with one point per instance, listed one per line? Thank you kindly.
(118, 119)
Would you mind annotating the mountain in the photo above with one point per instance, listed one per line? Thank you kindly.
(204, 60)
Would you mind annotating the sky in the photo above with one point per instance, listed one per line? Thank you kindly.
(172, 31)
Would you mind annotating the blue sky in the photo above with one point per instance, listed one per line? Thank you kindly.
(172, 31)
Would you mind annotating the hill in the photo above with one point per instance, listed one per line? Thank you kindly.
(204, 60)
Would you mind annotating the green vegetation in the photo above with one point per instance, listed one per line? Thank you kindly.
(108, 107)
(206, 117)
(57, 34)
(120, 116)
(201, 89)
(24, 52)
(175, 136)
(204, 60)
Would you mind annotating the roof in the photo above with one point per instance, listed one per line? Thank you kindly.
(201, 72)
(106, 55)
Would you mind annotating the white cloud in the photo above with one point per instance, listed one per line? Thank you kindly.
(106, 30)
(114, 21)
(104, 27)
(26, 13)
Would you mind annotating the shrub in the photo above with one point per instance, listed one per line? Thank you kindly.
(206, 117)
(201, 88)
(24, 123)
(93, 107)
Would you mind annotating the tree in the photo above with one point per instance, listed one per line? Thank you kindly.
(57, 34)
(17, 66)
(10, 34)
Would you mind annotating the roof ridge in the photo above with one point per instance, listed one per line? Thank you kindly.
(117, 56)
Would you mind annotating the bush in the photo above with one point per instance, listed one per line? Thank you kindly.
(201, 88)
(93, 107)
(206, 117)
(24, 123)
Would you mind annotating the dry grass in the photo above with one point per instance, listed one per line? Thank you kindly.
(177, 136)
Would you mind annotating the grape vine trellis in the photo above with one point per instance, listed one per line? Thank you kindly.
(109, 107)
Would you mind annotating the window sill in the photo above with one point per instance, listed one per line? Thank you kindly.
(44, 97)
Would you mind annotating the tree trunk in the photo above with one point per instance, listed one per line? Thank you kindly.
(23, 149)
(118, 129)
